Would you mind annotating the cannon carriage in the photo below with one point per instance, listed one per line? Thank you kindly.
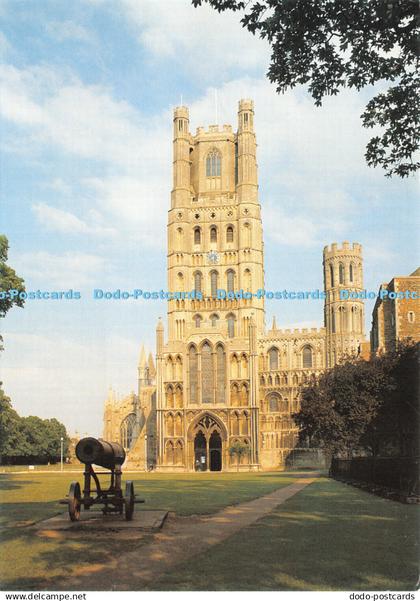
(110, 456)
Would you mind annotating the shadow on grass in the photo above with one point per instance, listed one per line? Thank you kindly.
(9, 483)
(327, 537)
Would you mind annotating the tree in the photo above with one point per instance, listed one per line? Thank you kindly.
(10, 435)
(331, 44)
(8, 281)
(239, 449)
(360, 407)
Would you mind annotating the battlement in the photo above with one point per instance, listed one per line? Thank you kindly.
(214, 129)
(246, 104)
(181, 112)
(345, 247)
(296, 332)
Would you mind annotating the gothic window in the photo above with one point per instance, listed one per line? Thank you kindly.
(332, 276)
(170, 453)
(213, 283)
(342, 318)
(411, 316)
(178, 453)
(213, 234)
(231, 325)
(214, 319)
(213, 164)
(247, 280)
(273, 355)
(206, 373)
(235, 423)
(230, 276)
(197, 281)
(244, 394)
(180, 282)
(247, 235)
(273, 403)
(178, 425)
(229, 233)
(221, 374)
(244, 366)
(180, 236)
(341, 273)
(197, 320)
(169, 397)
(351, 272)
(193, 365)
(127, 429)
(170, 425)
(197, 235)
(333, 321)
(234, 397)
(234, 367)
(178, 397)
(307, 356)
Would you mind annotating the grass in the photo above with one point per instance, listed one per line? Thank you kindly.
(328, 537)
(31, 562)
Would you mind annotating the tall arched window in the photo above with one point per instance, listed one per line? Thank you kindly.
(197, 320)
(307, 356)
(247, 234)
(229, 233)
(127, 430)
(206, 373)
(231, 325)
(214, 319)
(197, 281)
(351, 272)
(197, 235)
(180, 238)
(180, 282)
(247, 280)
(273, 355)
(221, 374)
(193, 369)
(213, 234)
(230, 280)
(213, 283)
(332, 276)
(213, 164)
(341, 273)
(333, 321)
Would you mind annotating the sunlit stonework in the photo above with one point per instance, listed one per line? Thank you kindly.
(220, 375)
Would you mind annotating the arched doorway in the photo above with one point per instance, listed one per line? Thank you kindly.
(200, 452)
(215, 450)
(207, 438)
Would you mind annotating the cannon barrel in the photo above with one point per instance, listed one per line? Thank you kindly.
(98, 451)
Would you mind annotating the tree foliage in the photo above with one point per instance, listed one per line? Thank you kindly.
(239, 449)
(8, 281)
(331, 44)
(29, 439)
(365, 406)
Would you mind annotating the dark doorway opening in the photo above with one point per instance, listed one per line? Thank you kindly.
(215, 449)
(200, 453)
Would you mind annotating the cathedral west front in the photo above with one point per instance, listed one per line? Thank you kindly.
(219, 379)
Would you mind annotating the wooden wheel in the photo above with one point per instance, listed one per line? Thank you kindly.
(129, 500)
(75, 498)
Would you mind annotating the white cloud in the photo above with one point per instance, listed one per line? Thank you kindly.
(68, 379)
(209, 44)
(63, 271)
(68, 30)
(65, 222)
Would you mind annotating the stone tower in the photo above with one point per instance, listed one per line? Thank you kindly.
(344, 316)
(215, 257)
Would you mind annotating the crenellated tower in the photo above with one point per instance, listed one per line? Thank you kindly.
(344, 312)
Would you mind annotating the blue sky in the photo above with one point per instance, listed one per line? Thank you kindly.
(87, 91)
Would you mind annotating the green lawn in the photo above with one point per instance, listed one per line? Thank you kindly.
(28, 560)
(328, 537)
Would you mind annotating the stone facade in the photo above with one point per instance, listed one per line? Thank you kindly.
(221, 377)
(395, 318)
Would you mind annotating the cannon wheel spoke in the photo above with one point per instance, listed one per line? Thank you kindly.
(75, 498)
(129, 500)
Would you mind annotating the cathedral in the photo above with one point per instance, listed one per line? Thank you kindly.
(221, 390)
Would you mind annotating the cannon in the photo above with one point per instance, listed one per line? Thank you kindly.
(111, 456)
